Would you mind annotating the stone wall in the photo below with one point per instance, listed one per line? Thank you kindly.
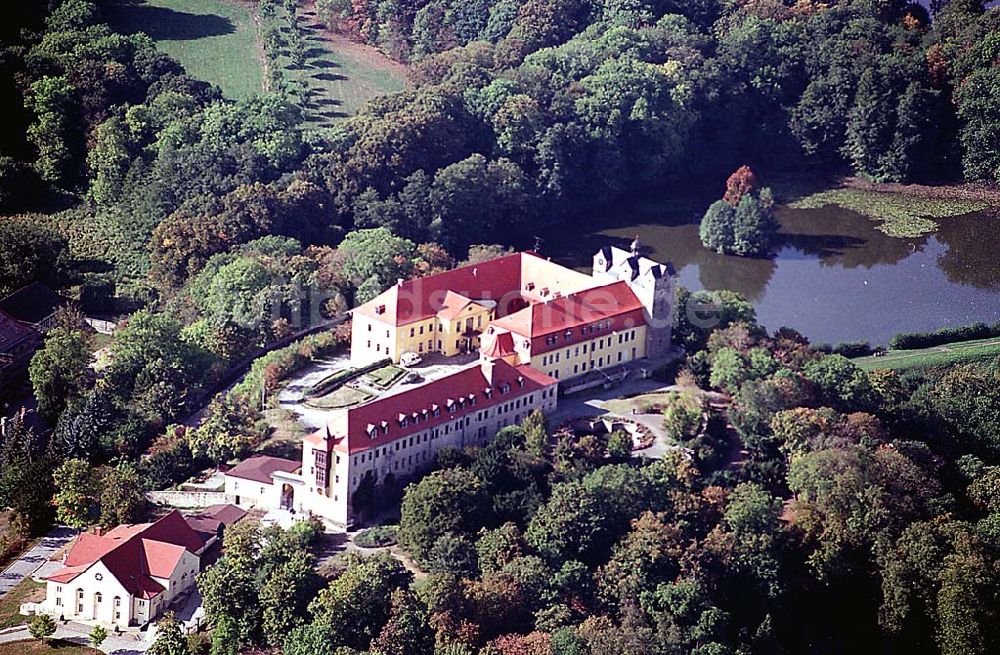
(190, 498)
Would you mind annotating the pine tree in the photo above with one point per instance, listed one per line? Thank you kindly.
(871, 125)
(716, 230)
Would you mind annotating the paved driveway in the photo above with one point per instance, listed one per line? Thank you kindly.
(35, 558)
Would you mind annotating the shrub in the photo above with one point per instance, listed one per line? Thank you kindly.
(41, 626)
(377, 537)
(851, 349)
(913, 340)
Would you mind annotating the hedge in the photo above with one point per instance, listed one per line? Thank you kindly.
(914, 340)
(340, 378)
(269, 369)
(849, 349)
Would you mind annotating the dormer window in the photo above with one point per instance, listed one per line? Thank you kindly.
(568, 335)
(404, 420)
(520, 382)
(451, 406)
(372, 431)
(504, 388)
(488, 392)
(385, 427)
(472, 399)
(435, 410)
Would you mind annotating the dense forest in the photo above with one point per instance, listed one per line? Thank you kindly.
(862, 516)
(520, 114)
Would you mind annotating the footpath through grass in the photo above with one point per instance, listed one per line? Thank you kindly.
(983, 352)
(215, 41)
(221, 41)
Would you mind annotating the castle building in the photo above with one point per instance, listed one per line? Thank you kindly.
(399, 435)
(534, 324)
(530, 297)
(446, 313)
(653, 286)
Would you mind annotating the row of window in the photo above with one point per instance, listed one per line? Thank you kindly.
(600, 344)
(582, 368)
(415, 440)
(584, 331)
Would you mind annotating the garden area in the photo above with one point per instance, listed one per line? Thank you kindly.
(385, 377)
(26, 591)
(340, 398)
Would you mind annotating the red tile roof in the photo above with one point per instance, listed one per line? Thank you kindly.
(208, 523)
(504, 280)
(260, 468)
(133, 554)
(613, 303)
(458, 390)
(496, 344)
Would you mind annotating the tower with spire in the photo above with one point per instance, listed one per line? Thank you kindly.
(651, 282)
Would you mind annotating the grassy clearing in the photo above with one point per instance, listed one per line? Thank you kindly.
(984, 352)
(341, 398)
(386, 376)
(339, 76)
(26, 591)
(215, 41)
(37, 647)
(897, 215)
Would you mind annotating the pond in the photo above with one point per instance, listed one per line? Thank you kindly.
(834, 277)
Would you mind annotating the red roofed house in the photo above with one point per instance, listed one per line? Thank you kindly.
(128, 576)
(18, 342)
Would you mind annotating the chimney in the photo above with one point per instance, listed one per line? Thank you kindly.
(487, 368)
(399, 281)
(98, 531)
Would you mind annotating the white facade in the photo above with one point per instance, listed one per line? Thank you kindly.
(96, 596)
(251, 493)
(330, 476)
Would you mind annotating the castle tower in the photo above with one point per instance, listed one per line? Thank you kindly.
(653, 285)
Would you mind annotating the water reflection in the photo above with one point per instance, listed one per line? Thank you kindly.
(833, 277)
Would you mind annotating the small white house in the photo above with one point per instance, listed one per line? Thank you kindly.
(265, 482)
(129, 575)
